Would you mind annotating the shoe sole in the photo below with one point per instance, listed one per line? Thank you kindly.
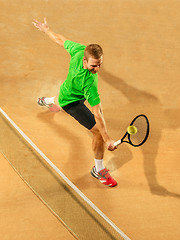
(94, 174)
(41, 103)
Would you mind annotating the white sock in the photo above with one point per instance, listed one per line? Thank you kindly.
(49, 100)
(99, 164)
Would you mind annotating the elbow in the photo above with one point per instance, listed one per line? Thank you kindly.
(97, 111)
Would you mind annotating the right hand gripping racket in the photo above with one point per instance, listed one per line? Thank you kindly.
(137, 139)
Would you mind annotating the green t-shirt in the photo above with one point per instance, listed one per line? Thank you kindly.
(80, 83)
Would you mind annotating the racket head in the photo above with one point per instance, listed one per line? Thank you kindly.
(141, 122)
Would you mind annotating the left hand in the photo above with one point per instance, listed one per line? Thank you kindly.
(41, 26)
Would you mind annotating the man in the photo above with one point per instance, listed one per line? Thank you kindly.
(82, 84)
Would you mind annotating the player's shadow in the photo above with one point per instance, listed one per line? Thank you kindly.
(143, 102)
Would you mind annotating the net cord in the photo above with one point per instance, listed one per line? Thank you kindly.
(65, 178)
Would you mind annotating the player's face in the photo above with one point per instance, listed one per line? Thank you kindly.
(93, 64)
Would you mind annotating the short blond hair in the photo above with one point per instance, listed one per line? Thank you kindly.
(93, 50)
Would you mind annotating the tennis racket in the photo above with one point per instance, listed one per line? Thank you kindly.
(141, 123)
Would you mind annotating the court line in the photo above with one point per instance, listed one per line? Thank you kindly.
(65, 178)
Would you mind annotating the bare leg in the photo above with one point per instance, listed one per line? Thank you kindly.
(99, 171)
(97, 143)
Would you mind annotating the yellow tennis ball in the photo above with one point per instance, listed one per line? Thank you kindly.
(132, 130)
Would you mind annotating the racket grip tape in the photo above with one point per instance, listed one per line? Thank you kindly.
(117, 143)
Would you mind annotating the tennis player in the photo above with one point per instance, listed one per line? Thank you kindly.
(82, 84)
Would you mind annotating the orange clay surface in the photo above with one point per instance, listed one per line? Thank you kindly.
(140, 74)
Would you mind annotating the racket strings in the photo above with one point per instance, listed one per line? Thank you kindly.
(142, 131)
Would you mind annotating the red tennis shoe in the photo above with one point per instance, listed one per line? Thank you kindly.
(42, 102)
(104, 177)
(52, 107)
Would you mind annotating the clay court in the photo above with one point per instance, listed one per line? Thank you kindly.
(140, 74)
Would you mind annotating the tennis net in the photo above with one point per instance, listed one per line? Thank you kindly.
(82, 218)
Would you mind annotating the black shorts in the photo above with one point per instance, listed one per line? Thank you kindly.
(81, 113)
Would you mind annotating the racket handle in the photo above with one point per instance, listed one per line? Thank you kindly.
(117, 143)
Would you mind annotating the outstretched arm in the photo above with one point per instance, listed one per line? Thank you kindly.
(59, 39)
(100, 122)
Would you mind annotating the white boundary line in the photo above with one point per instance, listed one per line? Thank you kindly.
(65, 178)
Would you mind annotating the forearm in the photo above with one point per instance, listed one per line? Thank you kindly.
(100, 122)
(59, 39)
(101, 125)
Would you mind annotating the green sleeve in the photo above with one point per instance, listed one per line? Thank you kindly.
(73, 47)
(91, 94)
